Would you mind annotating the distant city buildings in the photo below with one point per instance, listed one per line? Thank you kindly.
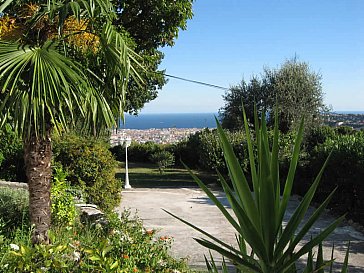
(174, 135)
(355, 121)
(160, 136)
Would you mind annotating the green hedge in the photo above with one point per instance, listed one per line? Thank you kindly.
(91, 167)
(137, 152)
(345, 170)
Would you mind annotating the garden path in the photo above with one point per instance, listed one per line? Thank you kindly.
(193, 205)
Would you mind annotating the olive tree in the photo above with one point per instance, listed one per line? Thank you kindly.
(293, 87)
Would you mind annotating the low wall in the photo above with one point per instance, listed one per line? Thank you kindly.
(14, 185)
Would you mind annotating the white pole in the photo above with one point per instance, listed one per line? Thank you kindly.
(127, 185)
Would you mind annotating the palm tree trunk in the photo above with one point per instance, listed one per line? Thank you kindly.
(37, 157)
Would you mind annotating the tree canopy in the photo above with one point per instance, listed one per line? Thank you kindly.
(151, 25)
(293, 87)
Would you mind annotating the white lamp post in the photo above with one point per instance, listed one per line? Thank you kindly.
(127, 142)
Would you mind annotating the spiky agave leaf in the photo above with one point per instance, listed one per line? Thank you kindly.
(259, 217)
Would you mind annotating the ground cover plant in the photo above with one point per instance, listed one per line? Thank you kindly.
(259, 215)
(119, 244)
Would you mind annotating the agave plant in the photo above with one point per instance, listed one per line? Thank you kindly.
(259, 214)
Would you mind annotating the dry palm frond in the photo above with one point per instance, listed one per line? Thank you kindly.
(10, 29)
(79, 35)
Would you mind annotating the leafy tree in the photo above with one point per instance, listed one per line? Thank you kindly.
(293, 86)
(151, 25)
(299, 93)
(252, 94)
(48, 52)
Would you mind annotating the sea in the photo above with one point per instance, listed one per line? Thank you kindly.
(181, 120)
(172, 120)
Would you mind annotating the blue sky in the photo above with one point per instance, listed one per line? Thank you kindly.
(227, 41)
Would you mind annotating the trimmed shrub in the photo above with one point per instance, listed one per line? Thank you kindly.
(90, 167)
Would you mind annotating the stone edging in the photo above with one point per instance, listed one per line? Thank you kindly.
(14, 185)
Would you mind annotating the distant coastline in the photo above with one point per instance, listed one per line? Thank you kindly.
(170, 120)
(348, 112)
(147, 121)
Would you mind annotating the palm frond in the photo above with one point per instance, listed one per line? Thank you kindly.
(43, 87)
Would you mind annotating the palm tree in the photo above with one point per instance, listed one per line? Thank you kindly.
(61, 62)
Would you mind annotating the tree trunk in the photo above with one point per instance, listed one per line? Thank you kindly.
(37, 157)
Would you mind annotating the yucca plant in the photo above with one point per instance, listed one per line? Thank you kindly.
(259, 214)
(311, 266)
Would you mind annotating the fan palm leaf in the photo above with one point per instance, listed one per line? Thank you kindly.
(43, 86)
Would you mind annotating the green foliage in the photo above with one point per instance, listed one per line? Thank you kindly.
(255, 93)
(310, 266)
(318, 136)
(90, 167)
(11, 155)
(188, 151)
(137, 152)
(62, 200)
(48, 258)
(345, 171)
(259, 215)
(122, 245)
(293, 87)
(13, 209)
(202, 150)
(298, 93)
(163, 159)
(151, 25)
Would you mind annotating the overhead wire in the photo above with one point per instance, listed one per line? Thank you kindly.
(193, 81)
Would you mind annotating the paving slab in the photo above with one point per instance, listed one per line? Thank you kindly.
(193, 205)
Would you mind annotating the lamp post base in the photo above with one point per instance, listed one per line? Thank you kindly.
(127, 187)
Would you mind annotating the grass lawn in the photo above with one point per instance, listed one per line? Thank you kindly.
(147, 175)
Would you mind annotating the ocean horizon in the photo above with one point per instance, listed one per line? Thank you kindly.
(349, 112)
(170, 120)
(181, 120)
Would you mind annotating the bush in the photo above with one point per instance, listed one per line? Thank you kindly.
(90, 167)
(137, 152)
(163, 159)
(202, 150)
(14, 209)
(318, 136)
(344, 170)
(11, 156)
(187, 151)
(62, 200)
